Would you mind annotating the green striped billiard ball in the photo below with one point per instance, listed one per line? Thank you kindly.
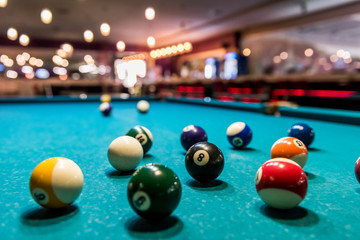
(143, 135)
(154, 191)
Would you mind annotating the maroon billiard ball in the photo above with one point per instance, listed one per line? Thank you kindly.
(281, 183)
(357, 169)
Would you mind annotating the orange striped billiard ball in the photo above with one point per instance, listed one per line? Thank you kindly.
(56, 182)
(291, 148)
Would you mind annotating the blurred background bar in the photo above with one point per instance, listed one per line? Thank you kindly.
(306, 52)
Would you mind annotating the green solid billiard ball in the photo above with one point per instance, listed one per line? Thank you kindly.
(154, 191)
(143, 135)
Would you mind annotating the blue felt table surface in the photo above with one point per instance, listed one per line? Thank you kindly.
(229, 209)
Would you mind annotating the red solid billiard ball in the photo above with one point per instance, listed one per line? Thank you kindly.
(291, 148)
(281, 183)
(357, 169)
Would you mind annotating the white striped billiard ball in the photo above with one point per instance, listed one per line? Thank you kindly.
(239, 134)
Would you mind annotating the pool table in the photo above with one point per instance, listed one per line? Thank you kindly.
(228, 208)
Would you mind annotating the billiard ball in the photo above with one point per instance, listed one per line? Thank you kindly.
(56, 182)
(204, 161)
(239, 134)
(143, 106)
(125, 153)
(105, 98)
(143, 135)
(291, 148)
(281, 183)
(357, 169)
(154, 191)
(192, 134)
(303, 132)
(105, 108)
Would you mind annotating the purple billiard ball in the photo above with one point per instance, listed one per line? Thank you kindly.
(105, 108)
(192, 134)
(357, 169)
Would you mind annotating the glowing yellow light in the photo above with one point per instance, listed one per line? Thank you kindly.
(9, 62)
(12, 34)
(153, 54)
(309, 52)
(3, 3)
(64, 63)
(61, 52)
(163, 52)
(168, 50)
(20, 60)
(150, 41)
(46, 16)
(158, 53)
(3, 58)
(120, 45)
(277, 59)
(187, 46)
(26, 56)
(39, 63)
(149, 13)
(32, 61)
(246, 52)
(56, 59)
(180, 47)
(174, 49)
(67, 48)
(284, 55)
(88, 36)
(105, 29)
(24, 40)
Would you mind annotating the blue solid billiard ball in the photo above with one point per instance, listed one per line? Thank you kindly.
(303, 132)
(192, 134)
(105, 108)
(239, 134)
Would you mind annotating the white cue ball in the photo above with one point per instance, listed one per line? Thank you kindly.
(125, 153)
(143, 106)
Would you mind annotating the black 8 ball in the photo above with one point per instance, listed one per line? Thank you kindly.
(204, 161)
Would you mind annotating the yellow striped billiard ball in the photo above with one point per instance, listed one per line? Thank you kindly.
(56, 182)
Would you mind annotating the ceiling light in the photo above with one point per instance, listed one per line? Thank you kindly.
(150, 13)
(24, 40)
(26, 56)
(284, 55)
(151, 41)
(12, 34)
(67, 48)
(246, 52)
(3, 3)
(32, 61)
(46, 16)
(88, 36)
(39, 63)
(120, 45)
(309, 52)
(9, 62)
(105, 29)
